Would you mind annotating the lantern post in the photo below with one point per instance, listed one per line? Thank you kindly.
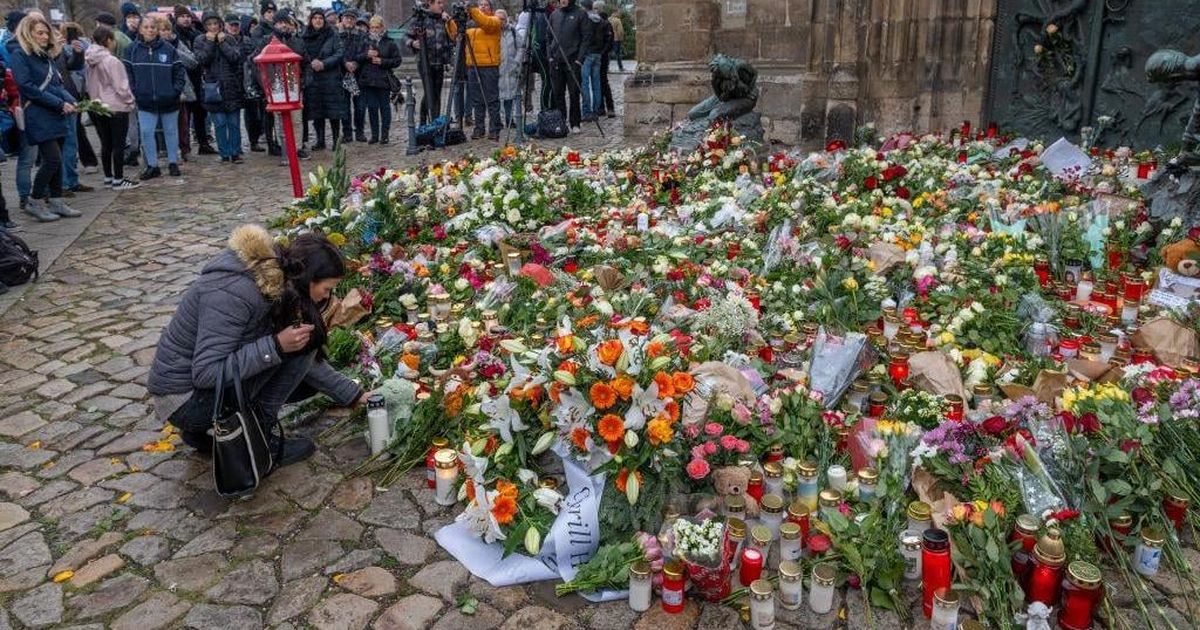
(279, 69)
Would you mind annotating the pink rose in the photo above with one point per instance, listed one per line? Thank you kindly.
(698, 469)
(714, 429)
(729, 442)
(698, 452)
(710, 448)
(691, 430)
(741, 413)
(743, 446)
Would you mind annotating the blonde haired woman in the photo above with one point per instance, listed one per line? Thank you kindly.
(48, 107)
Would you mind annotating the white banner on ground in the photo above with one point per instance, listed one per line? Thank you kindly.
(572, 541)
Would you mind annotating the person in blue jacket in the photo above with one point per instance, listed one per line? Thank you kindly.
(156, 76)
(47, 110)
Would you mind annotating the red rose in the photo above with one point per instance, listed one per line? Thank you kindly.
(1130, 446)
(1194, 233)
(871, 183)
(902, 192)
(1089, 423)
(766, 354)
(995, 425)
(1141, 395)
(571, 266)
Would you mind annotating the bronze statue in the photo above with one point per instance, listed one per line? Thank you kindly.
(1170, 67)
(735, 94)
(735, 90)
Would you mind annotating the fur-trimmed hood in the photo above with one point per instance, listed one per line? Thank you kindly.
(254, 251)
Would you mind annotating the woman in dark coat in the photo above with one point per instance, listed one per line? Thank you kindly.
(256, 307)
(324, 97)
(221, 57)
(379, 54)
(48, 109)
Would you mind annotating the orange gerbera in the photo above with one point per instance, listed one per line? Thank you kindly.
(610, 351)
(565, 343)
(611, 427)
(506, 489)
(666, 387)
(659, 431)
(470, 485)
(504, 509)
(672, 411)
(587, 321)
(579, 437)
(655, 349)
(603, 396)
(639, 327)
(683, 382)
(623, 479)
(623, 385)
(569, 366)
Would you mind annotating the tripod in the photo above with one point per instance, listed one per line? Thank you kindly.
(531, 8)
(462, 47)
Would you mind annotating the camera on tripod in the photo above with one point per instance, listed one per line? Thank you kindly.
(458, 11)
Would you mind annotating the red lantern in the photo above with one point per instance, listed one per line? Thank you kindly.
(279, 70)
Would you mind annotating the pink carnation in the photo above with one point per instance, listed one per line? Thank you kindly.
(698, 469)
(729, 442)
(743, 446)
(714, 429)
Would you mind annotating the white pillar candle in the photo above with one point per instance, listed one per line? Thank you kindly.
(837, 477)
(377, 424)
(446, 477)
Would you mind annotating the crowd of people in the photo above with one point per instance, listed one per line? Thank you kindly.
(160, 86)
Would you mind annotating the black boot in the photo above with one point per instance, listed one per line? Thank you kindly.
(199, 440)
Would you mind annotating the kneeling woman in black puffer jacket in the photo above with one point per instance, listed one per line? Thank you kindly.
(259, 306)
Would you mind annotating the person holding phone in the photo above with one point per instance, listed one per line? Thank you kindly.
(257, 305)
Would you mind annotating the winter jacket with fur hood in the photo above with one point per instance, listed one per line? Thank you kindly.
(226, 312)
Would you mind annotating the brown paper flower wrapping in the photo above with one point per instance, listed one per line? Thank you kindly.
(1170, 342)
(345, 311)
(936, 373)
(608, 278)
(884, 256)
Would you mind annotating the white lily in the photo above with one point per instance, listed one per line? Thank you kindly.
(549, 499)
(644, 406)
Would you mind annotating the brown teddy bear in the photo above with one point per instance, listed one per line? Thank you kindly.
(732, 480)
(1183, 257)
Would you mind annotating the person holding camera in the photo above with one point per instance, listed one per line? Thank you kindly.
(429, 40)
(570, 40)
(257, 307)
(482, 57)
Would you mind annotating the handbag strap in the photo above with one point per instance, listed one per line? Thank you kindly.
(219, 392)
(272, 425)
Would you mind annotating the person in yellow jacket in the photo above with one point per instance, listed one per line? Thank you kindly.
(482, 58)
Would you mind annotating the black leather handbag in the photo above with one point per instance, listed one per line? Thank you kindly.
(242, 453)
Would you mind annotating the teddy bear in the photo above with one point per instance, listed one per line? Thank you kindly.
(733, 480)
(1182, 258)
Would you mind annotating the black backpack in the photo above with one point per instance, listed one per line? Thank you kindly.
(18, 263)
(551, 124)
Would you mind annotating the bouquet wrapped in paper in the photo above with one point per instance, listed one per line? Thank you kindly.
(709, 561)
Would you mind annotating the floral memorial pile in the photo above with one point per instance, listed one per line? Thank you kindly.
(958, 372)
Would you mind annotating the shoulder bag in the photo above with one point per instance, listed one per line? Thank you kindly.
(242, 455)
(19, 113)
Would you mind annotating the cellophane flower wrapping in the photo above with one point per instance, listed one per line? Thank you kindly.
(705, 551)
(836, 361)
(1039, 491)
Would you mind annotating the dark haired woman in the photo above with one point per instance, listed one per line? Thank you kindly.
(108, 83)
(259, 306)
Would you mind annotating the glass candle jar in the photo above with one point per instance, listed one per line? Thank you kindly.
(806, 484)
(982, 393)
(790, 546)
(435, 445)
(760, 539)
(1069, 348)
(945, 610)
(735, 539)
(868, 482)
(639, 586)
(1083, 290)
(775, 454)
(920, 517)
(1175, 507)
(773, 478)
(1148, 554)
(820, 595)
(799, 514)
(751, 566)
(513, 263)
(771, 513)
(1041, 267)
(378, 427)
(754, 487)
(898, 368)
(446, 486)
(673, 597)
(791, 585)
(762, 605)
(935, 566)
(857, 396)
(955, 407)
(891, 326)
(1046, 574)
(1121, 526)
(835, 475)
(910, 550)
(829, 501)
(735, 506)
(1081, 593)
(877, 404)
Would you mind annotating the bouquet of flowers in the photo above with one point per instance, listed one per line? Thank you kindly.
(709, 559)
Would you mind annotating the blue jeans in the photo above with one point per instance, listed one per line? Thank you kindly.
(228, 129)
(593, 99)
(25, 160)
(70, 155)
(148, 123)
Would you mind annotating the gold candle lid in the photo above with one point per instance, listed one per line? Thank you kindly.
(736, 527)
(824, 574)
(789, 570)
(1050, 549)
(673, 568)
(798, 509)
(807, 468)
(868, 476)
(1152, 536)
(789, 531)
(1084, 574)
(945, 597)
(549, 483)
(439, 443)
(446, 458)
(772, 503)
(772, 469)
(830, 498)
(761, 588)
(761, 535)
(735, 503)
(641, 569)
(919, 511)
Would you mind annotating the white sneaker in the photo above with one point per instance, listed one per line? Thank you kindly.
(89, 169)
(125, 184)
(576, 129)
(108, 181)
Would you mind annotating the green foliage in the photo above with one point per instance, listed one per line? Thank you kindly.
(342, 346)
